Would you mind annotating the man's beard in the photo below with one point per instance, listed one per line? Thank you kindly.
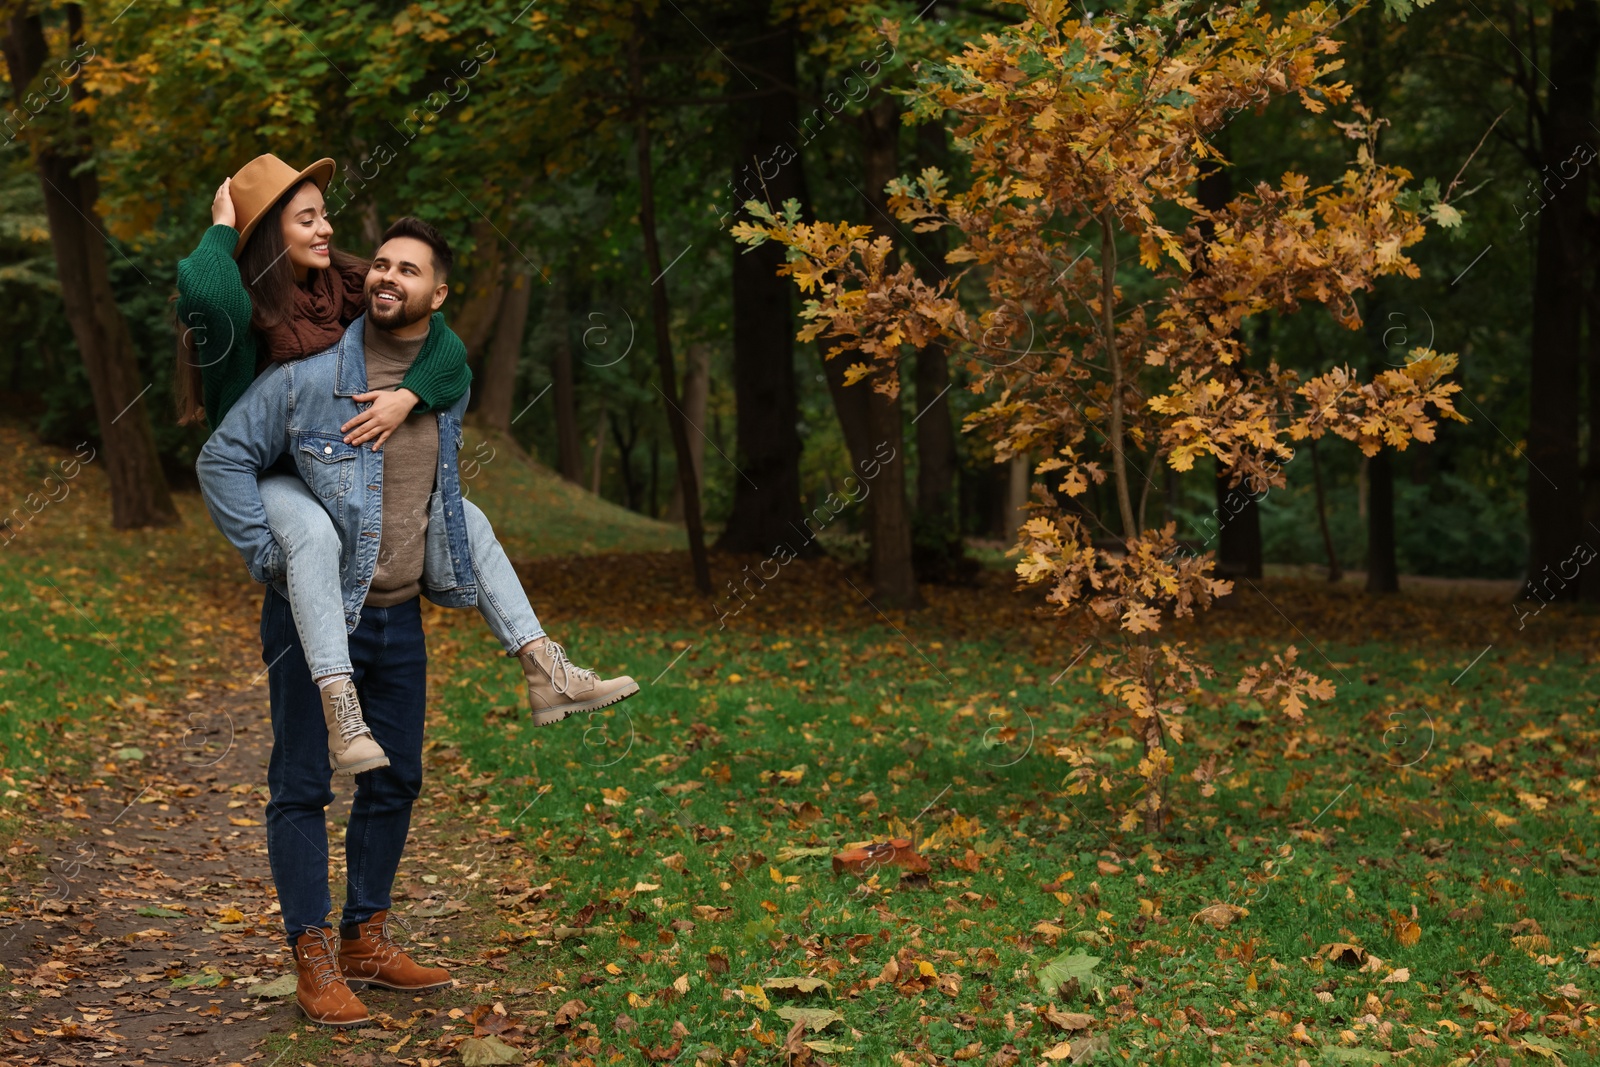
(396, 316)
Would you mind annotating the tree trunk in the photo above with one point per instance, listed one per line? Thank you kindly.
(1020, 478)
(569, 449)
(1158, 801)
(1555, 509)
(766, 498)
(599, 448)
(371, 225)
(1239, 531)
(1108, 340)
(696, 394)
(1237, 515)
(505, 352)
(625, 445)
(882, 446)
(655, 475)
(1589, 583)
(871, 425)
(849, 404)
(474, 319)
(1378, 481)
(936, 443)
(1334, 573)
(937, 550)
(893, 579)
(139, 495)
(662, 316)
(1382, 574)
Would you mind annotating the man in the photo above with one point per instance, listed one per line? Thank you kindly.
(379, 501)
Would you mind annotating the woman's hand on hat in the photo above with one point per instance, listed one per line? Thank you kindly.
(222, 213)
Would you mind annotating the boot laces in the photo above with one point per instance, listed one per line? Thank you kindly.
(347, 713)
(569, 671)
(321, 959)
(382, 941)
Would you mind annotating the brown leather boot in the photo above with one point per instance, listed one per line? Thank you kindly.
(557, 688)
(321, 993)
(373, 957)
(351, 748)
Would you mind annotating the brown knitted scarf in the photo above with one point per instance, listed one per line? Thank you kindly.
(322, 310)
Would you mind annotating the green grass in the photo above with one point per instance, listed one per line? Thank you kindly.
(66, 664)
(95, 625)
(536, 512)
(1328, 845)
(1319, 831)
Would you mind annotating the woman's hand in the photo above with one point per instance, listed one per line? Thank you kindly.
(389, 409)
(222, 213)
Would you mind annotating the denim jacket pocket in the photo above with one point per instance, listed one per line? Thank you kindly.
(326, 464)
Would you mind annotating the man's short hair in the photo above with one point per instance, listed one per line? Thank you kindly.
(413, 227)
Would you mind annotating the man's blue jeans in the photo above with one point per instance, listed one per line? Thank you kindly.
(390, 666)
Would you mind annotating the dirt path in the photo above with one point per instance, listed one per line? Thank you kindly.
(155, 913)
(149, 922)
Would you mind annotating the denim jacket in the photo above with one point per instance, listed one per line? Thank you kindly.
(295, 409)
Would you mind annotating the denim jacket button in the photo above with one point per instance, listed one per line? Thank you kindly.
(327, 450)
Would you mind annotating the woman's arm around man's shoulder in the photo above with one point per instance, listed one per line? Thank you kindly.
(440, 375)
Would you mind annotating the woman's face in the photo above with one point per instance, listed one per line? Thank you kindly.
(306, 230)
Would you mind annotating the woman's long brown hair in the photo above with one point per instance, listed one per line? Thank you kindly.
(268, 276)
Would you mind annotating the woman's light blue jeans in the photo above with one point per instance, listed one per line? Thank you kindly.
(310, 545)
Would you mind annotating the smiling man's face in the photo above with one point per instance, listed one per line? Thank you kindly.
(402, 285)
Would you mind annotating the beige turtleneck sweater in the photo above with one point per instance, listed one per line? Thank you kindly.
(410, 462)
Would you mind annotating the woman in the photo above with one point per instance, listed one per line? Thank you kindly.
(264, 286)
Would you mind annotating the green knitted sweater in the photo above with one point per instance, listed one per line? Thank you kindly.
(213, 302)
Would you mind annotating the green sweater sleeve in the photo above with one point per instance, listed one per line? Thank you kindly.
(440, 374)
(214, 304)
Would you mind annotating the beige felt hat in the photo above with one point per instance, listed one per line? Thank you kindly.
(259, 183)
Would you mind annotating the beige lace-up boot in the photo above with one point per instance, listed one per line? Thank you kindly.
(557, 688)
(351, 748)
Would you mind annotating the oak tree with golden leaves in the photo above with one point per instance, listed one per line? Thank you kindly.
(1098, 305)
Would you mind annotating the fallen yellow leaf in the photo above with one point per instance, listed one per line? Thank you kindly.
(1221, 915)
